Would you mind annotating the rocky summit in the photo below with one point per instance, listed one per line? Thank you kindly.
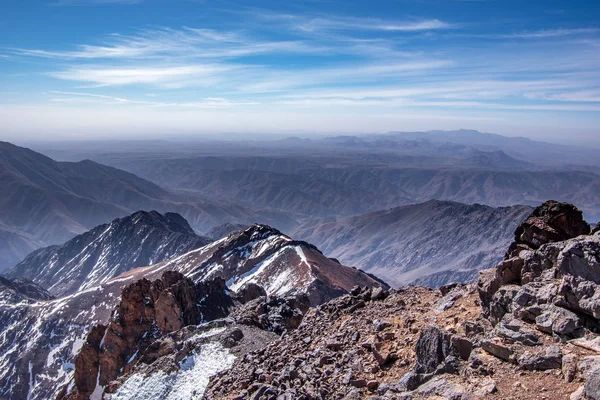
(528, 329)
(257, 315)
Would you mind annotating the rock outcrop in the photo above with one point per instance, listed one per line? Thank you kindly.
(147, 311)
(159, 323)
(550, 222)
(550, 277)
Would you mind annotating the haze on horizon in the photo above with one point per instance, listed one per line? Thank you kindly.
(103, 69)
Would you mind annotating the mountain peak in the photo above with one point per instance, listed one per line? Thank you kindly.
(89, 259)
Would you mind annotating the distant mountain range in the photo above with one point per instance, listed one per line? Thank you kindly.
(45, 202)
(112, 302)
(94, 257)
(432, 243)
(343, 176)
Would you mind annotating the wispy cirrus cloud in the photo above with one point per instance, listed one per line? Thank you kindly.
(188, 43)
(552, 33)
(352, 24)
(84, 97)
(306, 63)
(165, 76)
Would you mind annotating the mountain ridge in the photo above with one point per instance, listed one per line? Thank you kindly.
(108, 250)
(423, 241)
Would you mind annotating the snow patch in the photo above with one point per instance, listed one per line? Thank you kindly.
(188, 383)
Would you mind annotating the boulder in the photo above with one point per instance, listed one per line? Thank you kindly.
(497, 350)
(592, 386)
(551, 359)
(514, 330)
(560, 322)
(550, 222)
(487, 285)
(581, 258)
(579, 295)
(502, 303)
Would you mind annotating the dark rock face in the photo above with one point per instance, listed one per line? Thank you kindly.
(87, 362)
(437, 352)
(92, 258)
(250, 292)
(550, 222)
(213, 299)
(274, 314)
(551, 274)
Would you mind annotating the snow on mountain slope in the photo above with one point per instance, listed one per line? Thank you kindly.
(141, 239)
(265, 256)
(39, 340)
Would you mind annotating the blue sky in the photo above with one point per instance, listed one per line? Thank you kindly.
(151, 68)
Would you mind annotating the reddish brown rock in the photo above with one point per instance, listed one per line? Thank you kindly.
(147, 311)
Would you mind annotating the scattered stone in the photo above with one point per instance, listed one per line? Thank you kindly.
(497, 350)
(569, 367)
(378, 293)
(379, 325)
(516, 331)
(486, 387)
(552, 359)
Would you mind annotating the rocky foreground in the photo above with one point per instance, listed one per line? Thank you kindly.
(527, 329)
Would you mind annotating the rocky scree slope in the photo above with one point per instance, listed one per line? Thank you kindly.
(429, 244)
(527, 330)
(90, 259)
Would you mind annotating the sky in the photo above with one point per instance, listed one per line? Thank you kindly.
(78, 69)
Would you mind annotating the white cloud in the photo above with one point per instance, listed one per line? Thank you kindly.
(352, 24)
(92, 98)
(277, 65)
(551, 33)
(167, 76)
